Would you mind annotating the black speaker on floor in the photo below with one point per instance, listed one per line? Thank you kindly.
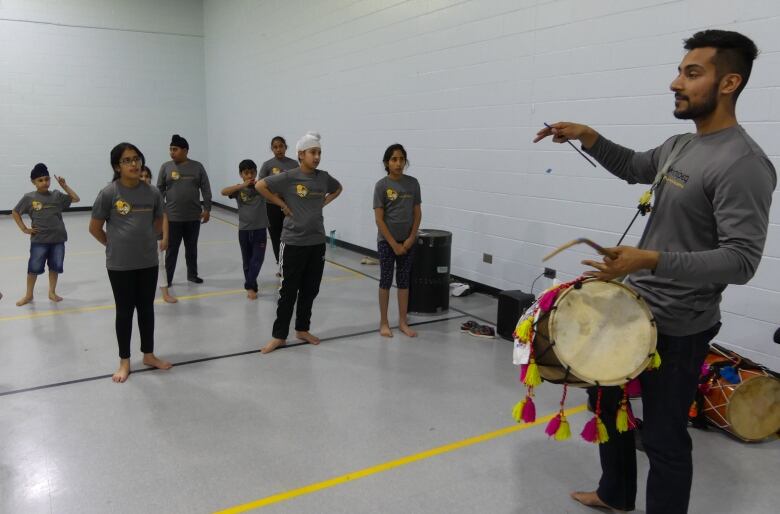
(429, 290)
(511, 305)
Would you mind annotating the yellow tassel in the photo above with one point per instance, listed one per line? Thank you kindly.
(603, 436)
(564, 431)
(622, 418)
(655, 361)
(646, 197)
(523, 330)
(532, 377)
(517, 412)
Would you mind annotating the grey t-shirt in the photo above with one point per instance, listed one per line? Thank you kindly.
(398, 199)
(182, 186)
(129, 215)
(275, 166)
(45, 211)
(709, 222)
(304, 194)
(251, 209)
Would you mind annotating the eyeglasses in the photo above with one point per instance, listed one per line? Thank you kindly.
(130, 160)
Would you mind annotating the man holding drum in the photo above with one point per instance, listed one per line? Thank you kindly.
(707, 229)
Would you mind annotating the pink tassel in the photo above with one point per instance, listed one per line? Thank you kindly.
(634, 388)
(705, 369)
(590, 431)
(523, 371)
(548, 300)
(553, 425)
(529, 410)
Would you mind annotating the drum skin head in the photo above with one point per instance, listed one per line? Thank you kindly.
(754, 408)
(603, 331)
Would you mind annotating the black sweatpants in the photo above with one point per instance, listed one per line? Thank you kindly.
(302, 268)
(275, 221)
(667, 394)
(134, 290)
(188, 231)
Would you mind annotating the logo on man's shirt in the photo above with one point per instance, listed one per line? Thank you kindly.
(275, 171)
(123, 207)
(392, 194)
(175, 175)
(36, 205)
(301, 190)
(676, 178)
(245, 196)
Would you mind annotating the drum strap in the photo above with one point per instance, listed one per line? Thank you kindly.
(644, 207)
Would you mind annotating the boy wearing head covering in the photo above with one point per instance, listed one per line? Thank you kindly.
(47, 230)
(182, 182)
(301, 193)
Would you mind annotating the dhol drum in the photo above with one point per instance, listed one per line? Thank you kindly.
(596, 333)
(739, 396)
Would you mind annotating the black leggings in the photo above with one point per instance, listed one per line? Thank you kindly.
(275, 222)
(134, 290)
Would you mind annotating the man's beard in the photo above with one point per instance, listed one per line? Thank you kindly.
(705, 108)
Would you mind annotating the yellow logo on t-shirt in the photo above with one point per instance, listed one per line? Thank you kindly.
(175, 175)
(275, 171)
(123, 207)
(244, 196)
(301, 190)
(36, 205)
(392, 194)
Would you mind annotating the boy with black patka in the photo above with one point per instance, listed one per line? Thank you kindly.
(301, 193)
(252, 224)
(47, 230)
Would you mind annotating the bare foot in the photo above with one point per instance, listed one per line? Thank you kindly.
(306, 336)
(123, 372)
(273, 344)
(385, 330)
(407, 330)
(167, 296)
(24, 301)
(591, 499)
(151, 359)
(251, 294)
(53, 297)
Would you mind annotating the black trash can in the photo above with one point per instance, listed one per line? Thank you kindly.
(429, 290)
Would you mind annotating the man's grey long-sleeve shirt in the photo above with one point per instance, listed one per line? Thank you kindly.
(709, 222)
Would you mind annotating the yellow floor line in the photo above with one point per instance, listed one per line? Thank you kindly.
(94, 308)
(356, 475)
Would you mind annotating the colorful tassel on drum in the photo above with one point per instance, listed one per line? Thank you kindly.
(525, 410)
(634, 388)
(655, 361)
(730, 374)
(547, 300)
(558, 427)
(530, 374)
(693, 411)
(523, 330)
(625, 420)
(594, 430)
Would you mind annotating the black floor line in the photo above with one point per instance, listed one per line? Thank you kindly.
(213, 358)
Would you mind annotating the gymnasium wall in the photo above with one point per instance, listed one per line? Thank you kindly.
(464, 85)
(79, 76)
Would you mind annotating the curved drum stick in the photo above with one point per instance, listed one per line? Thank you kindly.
(600, 249)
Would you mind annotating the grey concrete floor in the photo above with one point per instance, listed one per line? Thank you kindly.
(227, 426)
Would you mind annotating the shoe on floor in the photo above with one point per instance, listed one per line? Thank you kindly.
(196, 280)
(469, 326)
(483, 331)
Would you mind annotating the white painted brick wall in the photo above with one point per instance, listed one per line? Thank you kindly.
(80, 76)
